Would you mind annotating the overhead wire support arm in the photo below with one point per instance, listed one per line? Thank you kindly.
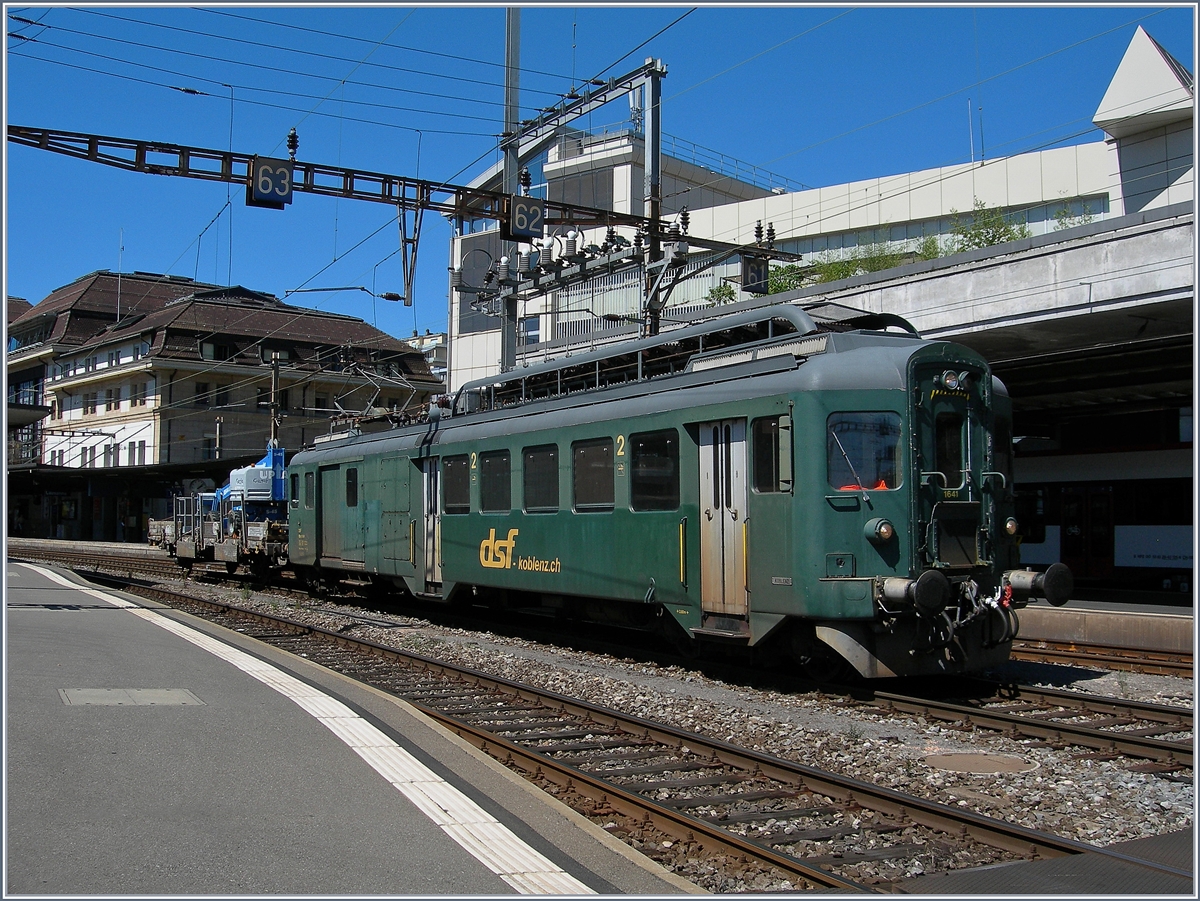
(207, 164)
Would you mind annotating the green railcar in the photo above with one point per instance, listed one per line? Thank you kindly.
(844, 496)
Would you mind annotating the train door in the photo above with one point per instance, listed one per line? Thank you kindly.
(723, 517)
(396, 532)
(432, 522)
(1087, 530)
(330, 514)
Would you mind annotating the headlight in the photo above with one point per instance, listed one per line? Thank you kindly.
(950, 379)
(879, 530)
(1010, 526)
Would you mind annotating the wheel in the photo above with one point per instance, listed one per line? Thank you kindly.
(679, 639)
(817, 660)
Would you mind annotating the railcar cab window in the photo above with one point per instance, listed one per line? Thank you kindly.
(593, 475)
(310, 484)
(456, 484)
(495, 482)
(352, 487)
(948, 448)
(654, 470)
(861, 451)
(541, 479)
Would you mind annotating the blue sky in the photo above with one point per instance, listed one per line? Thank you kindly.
(820, 95)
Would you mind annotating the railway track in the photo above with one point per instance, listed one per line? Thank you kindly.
(668, 791)
(1081, 654)
(1108, 726)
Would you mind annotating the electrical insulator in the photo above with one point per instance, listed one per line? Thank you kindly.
(503, 269)
(610, 238)
(456, 276)
(571, 246)
(770, 234)
(674, 234)
(758, 232)
(293, 143)
(522, 262)
(526, 180)
(683, 220)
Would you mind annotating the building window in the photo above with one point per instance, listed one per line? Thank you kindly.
(541, 479)
(321, 402)
(593, 474)
(264, 397)
(141, 453)
(530, 330)
(137, 395)
(89, 403)
(222, 395)
(114, 358)
(495, 482)
(208, 447)
(654, 470)
(112, 400)
(202, 396)
(456, 484)
(212, 350)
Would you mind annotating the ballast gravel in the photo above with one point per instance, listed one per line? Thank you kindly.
(1066, 792)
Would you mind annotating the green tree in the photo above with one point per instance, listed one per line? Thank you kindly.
(930, 248)
(1063, 218)
(720, 294)
(986, 227)
(787, 277)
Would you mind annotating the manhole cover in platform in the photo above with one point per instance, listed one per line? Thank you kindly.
(128, 697)
(980, 763)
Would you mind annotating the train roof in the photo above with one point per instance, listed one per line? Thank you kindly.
(740, 337)
(713, 358)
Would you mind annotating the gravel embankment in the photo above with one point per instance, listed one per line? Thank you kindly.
(1090, 800)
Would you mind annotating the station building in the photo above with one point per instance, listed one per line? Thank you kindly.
(1087, 315)
(134, 386)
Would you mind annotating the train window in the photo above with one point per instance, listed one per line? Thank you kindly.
(654, 470)
(541, 479)
(352, 487)
(593, 474)
(861, 451)
(456, 484)
(948, 448)
(295, 480)
(495, 482)
(310, 484)
(772, 457)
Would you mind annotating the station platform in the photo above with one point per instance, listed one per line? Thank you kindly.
(1153, 628)
(151, 753)
(1132, 873)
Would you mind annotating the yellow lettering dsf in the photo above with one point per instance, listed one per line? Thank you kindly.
(495, 553)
